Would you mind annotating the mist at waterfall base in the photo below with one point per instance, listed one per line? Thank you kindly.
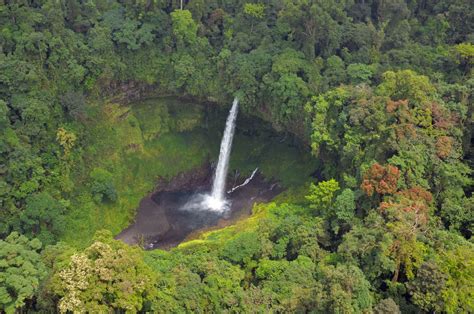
(216, 200)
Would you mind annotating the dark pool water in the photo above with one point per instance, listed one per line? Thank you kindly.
(161, 223)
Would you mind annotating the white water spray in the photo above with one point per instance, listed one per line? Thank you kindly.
(216, 201)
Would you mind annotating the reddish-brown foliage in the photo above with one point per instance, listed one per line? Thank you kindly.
(417, 193)
(444, 146)
(442, 118)
(216, 17)
(405, 125)
(405, 131)
(415, 201)
(380, 179)
(397, 105)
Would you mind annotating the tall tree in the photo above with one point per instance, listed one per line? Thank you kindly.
(21, 271)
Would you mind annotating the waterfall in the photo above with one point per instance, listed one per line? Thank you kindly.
(216, 201)
(218, 185)
(247, 181)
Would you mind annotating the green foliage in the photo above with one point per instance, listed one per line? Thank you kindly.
(334, 70)
(342, 212)
(184, 28)
(427, 286)
(368, 246)
(102, 186)
(466, 51)
(290, 91)
(73, 104)
(338, 212)
(242, 249)
(288, 284)
(4, 121)
(406, 85)
(320, 196)
(359, 73)
(43, 218)
(134, 35)
(107, 275)
(459, 290)
(321, 107)
(21, 271)
(255, 10)
(348, 291)
(387, 306)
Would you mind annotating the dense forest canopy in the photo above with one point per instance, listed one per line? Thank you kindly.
(380, 92)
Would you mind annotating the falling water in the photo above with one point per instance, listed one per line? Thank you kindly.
(216, 201)
(218, 186)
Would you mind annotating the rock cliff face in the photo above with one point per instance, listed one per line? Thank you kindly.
(127, 92)
(186, 181)
(132, 91)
